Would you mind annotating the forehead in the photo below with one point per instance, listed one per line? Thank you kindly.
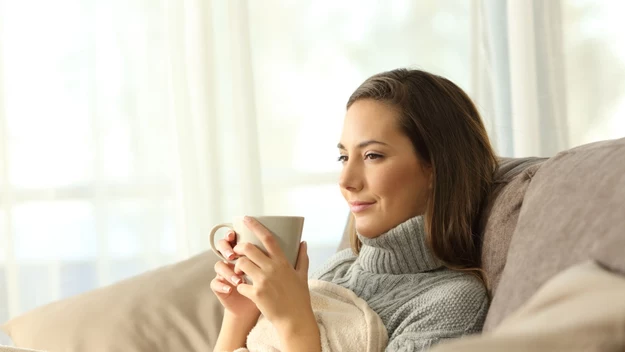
(370, 119)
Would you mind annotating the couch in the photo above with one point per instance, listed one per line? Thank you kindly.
(553, 236)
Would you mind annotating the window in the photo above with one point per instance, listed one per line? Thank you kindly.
(595, 69)
(87, 163)
(86, 177)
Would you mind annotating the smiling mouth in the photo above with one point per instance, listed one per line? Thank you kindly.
(359, 207)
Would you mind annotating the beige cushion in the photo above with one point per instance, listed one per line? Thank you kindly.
(499, 218)
(15, 349)
(168, 309)
(581, 309)
(611, 253)
(574, 210)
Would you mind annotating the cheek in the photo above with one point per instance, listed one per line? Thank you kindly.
(391, 181)
(400, 187)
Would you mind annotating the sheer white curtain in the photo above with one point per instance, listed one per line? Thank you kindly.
(86, 150)
(214, 119)
(127, 132)
(547, 75)
(129, 128)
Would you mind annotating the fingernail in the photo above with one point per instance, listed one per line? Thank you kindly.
(247, 219)
(229, 255)
(226, 289)
(235, 279)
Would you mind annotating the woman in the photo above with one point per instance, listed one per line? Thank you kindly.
(417, 166)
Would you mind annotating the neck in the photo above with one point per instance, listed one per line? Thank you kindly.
(401, 250)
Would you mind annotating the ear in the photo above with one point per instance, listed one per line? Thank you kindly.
(429, 171)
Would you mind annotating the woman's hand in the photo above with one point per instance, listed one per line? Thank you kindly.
(224, 246)
(224, 285)
(240, 314)
(279, 290)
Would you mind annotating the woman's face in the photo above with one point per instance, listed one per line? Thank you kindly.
(383, 180)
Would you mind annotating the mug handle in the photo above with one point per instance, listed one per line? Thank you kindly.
(212, 238)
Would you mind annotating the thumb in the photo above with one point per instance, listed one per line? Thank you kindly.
(247, 291)
(302, 263)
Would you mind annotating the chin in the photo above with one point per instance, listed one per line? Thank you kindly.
(372, 226)
(367, 230)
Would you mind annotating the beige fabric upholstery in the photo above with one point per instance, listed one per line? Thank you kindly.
(168, 309)
(574, 210)
(581, 309)
(500, 215)
(15, 349)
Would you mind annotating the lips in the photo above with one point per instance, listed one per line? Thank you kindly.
(357, 207)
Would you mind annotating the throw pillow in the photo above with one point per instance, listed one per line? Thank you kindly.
(580, 309)
(168, 309)
(572, 212)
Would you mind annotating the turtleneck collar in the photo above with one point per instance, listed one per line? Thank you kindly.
(401, 250)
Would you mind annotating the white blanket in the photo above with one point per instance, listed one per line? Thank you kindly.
(346, 323)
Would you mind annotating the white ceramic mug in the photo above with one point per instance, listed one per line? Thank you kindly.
(287, 230)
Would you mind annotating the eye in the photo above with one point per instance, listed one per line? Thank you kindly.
(342, 158)
(373, 156)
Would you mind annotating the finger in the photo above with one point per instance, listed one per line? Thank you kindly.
(246, 266)
(247, 291)
(231, 238)
(225, 249)
(253, 253)
(226, 271)
(265, 236)
(221, 288)
(302, 263)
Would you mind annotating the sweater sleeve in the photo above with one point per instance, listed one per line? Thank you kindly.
(450, 311)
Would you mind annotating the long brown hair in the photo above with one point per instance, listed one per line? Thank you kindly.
(448, 134)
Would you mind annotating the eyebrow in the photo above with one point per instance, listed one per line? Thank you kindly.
(362, 144)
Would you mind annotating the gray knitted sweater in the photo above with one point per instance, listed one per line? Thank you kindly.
(419, 301)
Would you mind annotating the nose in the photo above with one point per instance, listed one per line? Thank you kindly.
(351, 177)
